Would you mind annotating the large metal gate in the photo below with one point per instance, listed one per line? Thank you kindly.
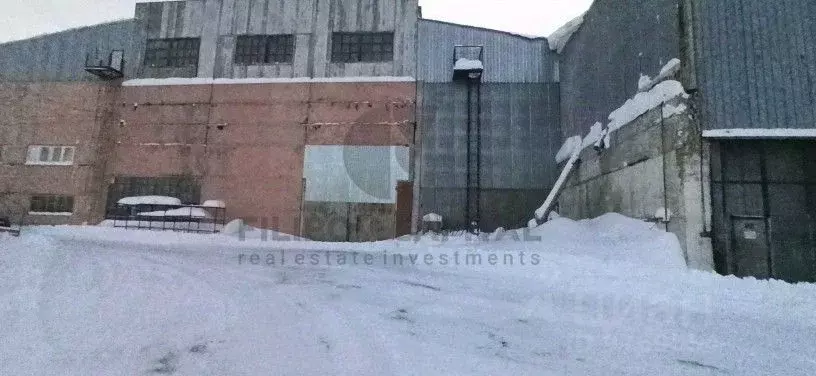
(764, 206)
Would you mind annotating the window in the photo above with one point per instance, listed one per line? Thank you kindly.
(49, 204)
(264, 49)
(50, 155)
(362, 47)
(172, 53)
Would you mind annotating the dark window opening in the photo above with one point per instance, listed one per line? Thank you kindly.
(52, 204)
(362, 47)
(264, 49)
(172, 53)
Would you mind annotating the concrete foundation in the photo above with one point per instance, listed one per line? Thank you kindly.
(653, 164)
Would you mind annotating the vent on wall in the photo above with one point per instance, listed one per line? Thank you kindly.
(108, 67)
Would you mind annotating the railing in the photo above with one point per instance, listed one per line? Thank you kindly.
(182, 218)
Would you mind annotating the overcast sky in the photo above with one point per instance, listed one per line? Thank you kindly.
(22, 19)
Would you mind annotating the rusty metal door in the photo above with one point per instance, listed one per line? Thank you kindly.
(405, 207)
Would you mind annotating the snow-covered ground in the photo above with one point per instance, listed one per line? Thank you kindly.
(603, 297)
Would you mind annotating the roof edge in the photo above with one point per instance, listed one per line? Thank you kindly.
(510, 33)
(73, 29)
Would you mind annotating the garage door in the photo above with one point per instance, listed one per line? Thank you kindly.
(763, 208)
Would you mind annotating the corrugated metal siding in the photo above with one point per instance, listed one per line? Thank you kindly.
(61, 56)
(218, 22)
(757, 66)
(520, 133)
(618, 41)
(507, 57)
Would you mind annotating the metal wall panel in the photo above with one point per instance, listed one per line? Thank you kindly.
(757, 63)
(520, 136)
(764, 217)
(618, 41)
(61, 56)
(507, 57)
(217, 22)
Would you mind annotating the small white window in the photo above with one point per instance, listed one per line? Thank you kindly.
(50, 155)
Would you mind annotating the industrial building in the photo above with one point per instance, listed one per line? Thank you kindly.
(351, 120)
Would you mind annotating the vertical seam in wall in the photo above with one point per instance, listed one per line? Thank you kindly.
(664, 154)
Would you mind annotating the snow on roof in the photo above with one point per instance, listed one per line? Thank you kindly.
(214, 204)
(559, 39)
(668, 71)
(760, 133)
(672, 67)
(149, 200)
(643, 102)
(180, 212)
(468, 64)
(175, 81)
(432, 217)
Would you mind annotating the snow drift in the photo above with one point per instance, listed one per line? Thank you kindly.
(102, 301)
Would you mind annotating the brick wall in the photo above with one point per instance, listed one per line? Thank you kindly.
(67, 114)
(245, 143)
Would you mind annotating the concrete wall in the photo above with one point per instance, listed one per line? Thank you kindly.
(653, 163)
(352, 222)
(601, 65)
(61, 56)
(218, 22)
(66, 114)
(245, 143)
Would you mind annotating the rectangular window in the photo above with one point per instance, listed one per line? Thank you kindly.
(50, 155)
(264, 49)
(51, 204)
(362, 47)
(172, 53)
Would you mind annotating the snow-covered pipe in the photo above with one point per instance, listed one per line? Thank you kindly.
(541, 213)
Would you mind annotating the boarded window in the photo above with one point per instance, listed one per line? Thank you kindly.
(172, 53)
(52, 204)
(264, 49)
(362, 47)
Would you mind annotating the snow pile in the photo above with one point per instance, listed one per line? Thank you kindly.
(567, 149)
(645, 83)
(595, 136)
(150, 200)
(214, 204)
(558, 40)
(238, 228)
(180, 212)
(432, 217)
(468, 64)
(643, 102)
(636, 242)
(670, 69)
